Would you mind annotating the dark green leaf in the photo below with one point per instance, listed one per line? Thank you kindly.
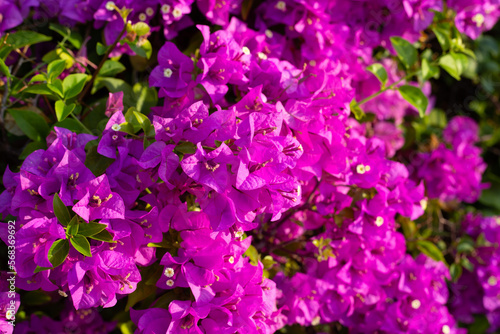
(32, 124)
(63, 110)
(104, 235)
(405, 50)
(90, 229)
(429, 70)
(415, 97)
(97, 163)
(430, 249)
(32, 147)
(450, 65)
(58, 252)
(60, 210)
(455, 271)
(81, 244)
(23, 38)
(41, 89)
(142, 292)
(442, 32)
(379, 71)
(101, 49)
(73, 84)
(145, 96)
(36, 298)
(55, 68)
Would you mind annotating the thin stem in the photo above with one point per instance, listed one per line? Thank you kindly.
(81, 124)
(105, 57)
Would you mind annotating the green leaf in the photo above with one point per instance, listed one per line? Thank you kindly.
(55, 68)
(32, 124)
(429, 70)
(40, 89)
(73, 84)
(111, 68)
(73, 226)
(405, 50)
(455, 271)
(63, 110)
(23, 38)
(104, 235)
(145, 123)
(39, 77)
(253, 255)
(90, 229)
(145, 96)
(32, 147)
(415, 97)
(431, 250)
(70, 34)
(57, 87)
(36, 298)
(442, 32)
(144, 49)
(4, 69)
(97, 163)
(101, 49)
(58, 252)
(81, 244)
(268, 261)
(358, 113)
(379, 71)
(60, 210)
(450, 65)
(186, 148)
(70, 124)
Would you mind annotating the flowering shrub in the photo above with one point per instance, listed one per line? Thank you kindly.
(239, 166)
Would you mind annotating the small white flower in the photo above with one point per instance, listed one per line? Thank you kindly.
(423, 204)
(170, 282)
(114, 137)
(231, 260)
(492, 281)
(269, 33)
(62, 293)
(281, 5)
(367, 168)
(416, 304)
(379, 221)
(142, 17)
(165, 9)
(478, 19)
(360, 169)
(110, 5)
(116, 127)
(169, 272)
(150, 11)
(167, 73)
(262, 55)
(177, 13)
(446, 329)
(245, 50)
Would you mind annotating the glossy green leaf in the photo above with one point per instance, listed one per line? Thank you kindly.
(101, 49)
(70, 34)
(81, 244)
(431, 250)
(58, 252)
(56, 87)
(429, 70)
(90, 229)
(104, 235)
(63, 110)
(405, 50)
(33, 125)
(111, 68)
(60, 210)
(40, 89)
(442, 32)
(4, 69)
(379, 71)
(415, 97)
(73, 226)
(23, 38)
(450, 65)
(55, 68)
(73, 84)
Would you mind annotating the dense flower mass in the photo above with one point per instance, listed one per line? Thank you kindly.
(257, 194)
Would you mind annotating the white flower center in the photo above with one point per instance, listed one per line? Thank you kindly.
(167, 73)
(416, 304)
(492, 280)
(281, 5)
(231, 260)
(478, 19)
(165, 9)
(170, 282)
(115, 137)
(110, 5)
(269, 33)
(379, 221)
(360, 169)
(150, 11)
(446, 329)
(177, 13)
(262, 55)
(142, 17)
(423, 204)
(62, 293)
(245, 50)
(169, 272)
(116, 127)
